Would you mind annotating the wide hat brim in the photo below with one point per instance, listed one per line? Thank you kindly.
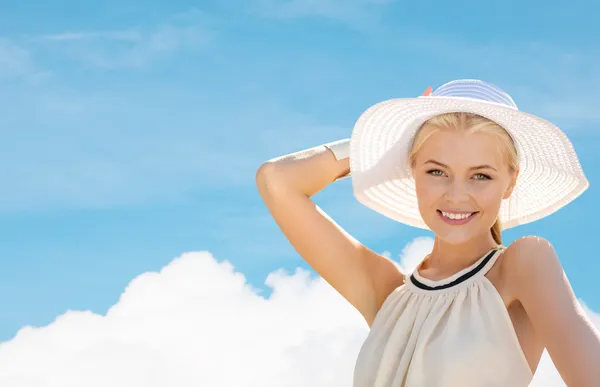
(550, 174)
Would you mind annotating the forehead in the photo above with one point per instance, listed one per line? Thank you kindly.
(461, 148)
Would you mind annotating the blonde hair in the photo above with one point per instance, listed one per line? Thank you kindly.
(471, 123)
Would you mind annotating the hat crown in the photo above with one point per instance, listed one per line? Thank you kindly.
(475, 89)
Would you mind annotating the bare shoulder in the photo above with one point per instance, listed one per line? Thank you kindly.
(528, 261)
(530, 251)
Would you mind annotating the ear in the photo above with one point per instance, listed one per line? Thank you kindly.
(511, 186)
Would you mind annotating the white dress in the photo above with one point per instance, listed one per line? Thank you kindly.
(455, 332)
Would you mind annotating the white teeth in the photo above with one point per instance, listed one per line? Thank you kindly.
(456, 216)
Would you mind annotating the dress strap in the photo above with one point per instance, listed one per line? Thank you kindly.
(496, 252)
(481, 267)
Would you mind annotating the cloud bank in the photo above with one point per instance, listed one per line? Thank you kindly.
(198, 322)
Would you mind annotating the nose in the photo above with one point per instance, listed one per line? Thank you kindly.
(456, 192)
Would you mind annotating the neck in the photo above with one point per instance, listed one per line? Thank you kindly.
(452, 257)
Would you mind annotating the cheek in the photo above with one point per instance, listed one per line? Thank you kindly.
(430, 193)
(489, 195)
(429, 190)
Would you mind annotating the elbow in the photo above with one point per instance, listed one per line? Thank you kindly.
(266, 169)
(265, 173)
(268, 179)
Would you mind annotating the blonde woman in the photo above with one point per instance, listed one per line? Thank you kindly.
(463, 162)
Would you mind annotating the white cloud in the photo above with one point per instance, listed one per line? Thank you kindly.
(547, 375)
(414, 252)
(127, 35)
(17, 62)
(133, 47)
(198, 323)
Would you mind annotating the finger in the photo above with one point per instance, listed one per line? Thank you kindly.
(427, 91)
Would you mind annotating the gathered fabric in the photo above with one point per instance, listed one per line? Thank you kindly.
(454, 332)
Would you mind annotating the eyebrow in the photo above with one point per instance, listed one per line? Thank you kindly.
(483, 166)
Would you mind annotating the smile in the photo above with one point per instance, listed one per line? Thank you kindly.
(456, 218)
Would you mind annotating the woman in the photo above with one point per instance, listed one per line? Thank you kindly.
(462, 162)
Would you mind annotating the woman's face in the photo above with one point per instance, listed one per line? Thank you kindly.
(461, 179)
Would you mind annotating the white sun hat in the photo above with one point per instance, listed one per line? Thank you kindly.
(550, 173)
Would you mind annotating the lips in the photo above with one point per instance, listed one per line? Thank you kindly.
(456, 217)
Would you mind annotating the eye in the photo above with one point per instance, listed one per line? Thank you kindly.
(482, 176)
(435, 172)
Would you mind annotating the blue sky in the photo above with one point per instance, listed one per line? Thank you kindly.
(131, 131)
